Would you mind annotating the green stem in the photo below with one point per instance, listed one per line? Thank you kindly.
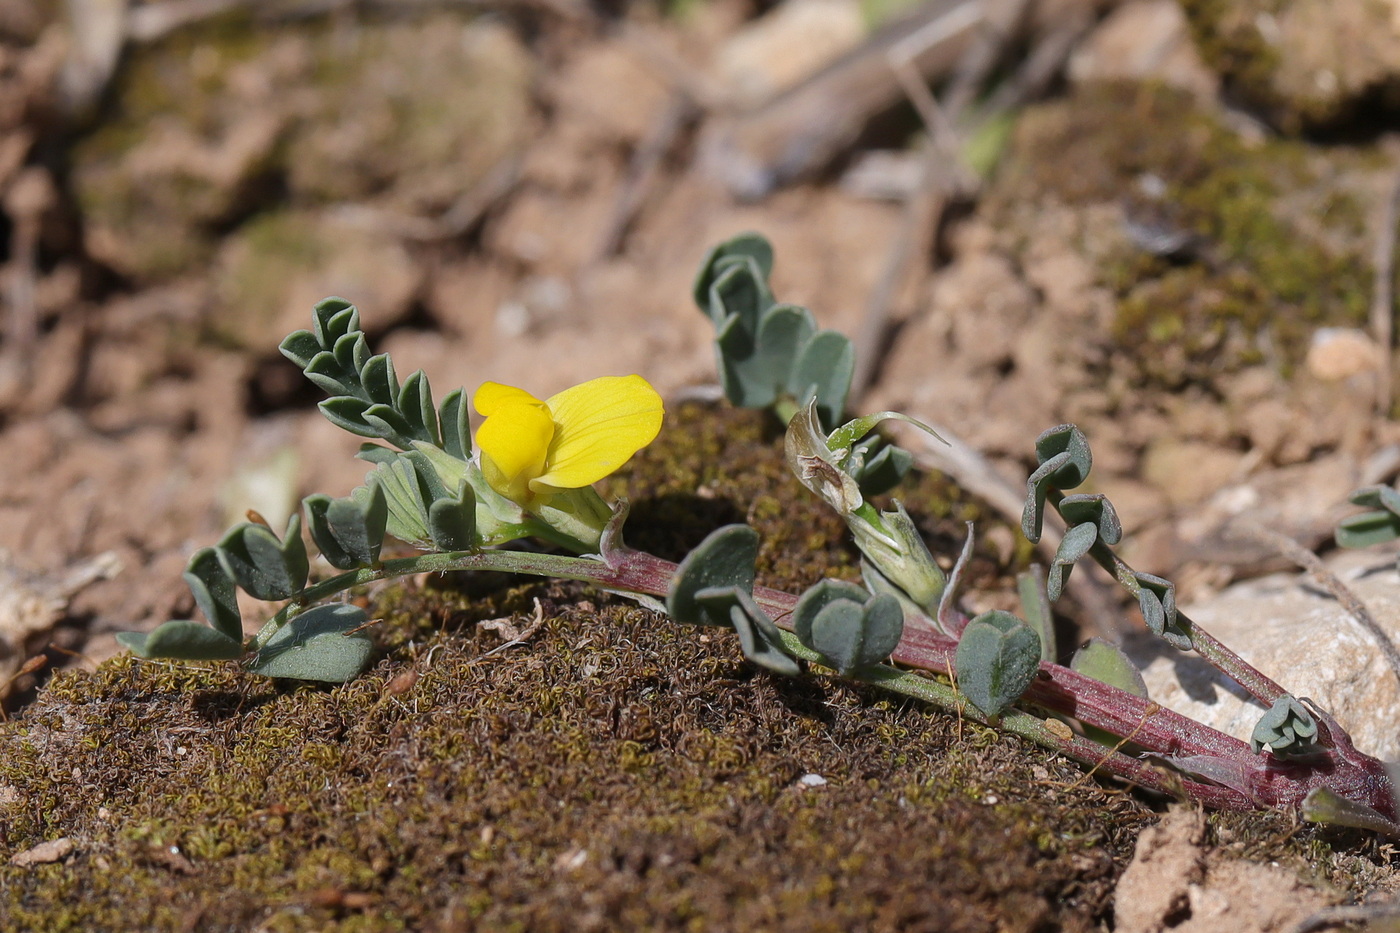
(633, 571)
(1215, 652)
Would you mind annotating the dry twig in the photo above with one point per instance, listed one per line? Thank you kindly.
(459, 219)
(678, 116)
(1333, 917)
(1383, 297)
(1342, 593)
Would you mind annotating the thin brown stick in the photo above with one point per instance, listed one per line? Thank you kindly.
(942, 178)
(30, 195)
(1342, 593)
(1383, 297)
(464, 213)
(1147, 713)
(1331, 917)
(683, 78)
(921, 218)
(645, 168)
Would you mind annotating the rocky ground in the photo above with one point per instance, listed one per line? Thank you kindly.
(1159, 221)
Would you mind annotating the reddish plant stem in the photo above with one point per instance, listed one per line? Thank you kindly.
(1254, 780)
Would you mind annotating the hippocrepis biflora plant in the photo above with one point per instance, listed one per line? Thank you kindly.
(529, 475)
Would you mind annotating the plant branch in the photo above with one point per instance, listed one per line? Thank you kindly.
(1215, 652)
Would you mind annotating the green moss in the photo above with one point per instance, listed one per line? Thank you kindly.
(618, 771)
(1228, 39)
(1280, 245)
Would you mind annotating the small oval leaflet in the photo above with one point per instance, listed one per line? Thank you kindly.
(263, 566)
(1065, 461)
(725, 558)
(1157, 600)
(214, 592)
(759, 638)
(1095, 509)
(750, 246)
(181, 640)
(317, 645)
(348, 532)
(847, 626)
(1106, 663)
(1074, 545)
(1287, 728)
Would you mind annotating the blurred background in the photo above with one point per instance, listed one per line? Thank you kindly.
(1172, 223)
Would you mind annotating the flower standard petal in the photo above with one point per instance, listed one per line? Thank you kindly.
(601, 424)
(514, 441)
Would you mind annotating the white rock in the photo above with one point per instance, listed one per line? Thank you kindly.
(1289, 628)
(785, 45)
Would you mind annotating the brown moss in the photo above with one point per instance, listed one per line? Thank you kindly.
(619, 772)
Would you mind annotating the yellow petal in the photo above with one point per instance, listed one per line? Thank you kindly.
(601, 424)
(492, 396)
(514, 441)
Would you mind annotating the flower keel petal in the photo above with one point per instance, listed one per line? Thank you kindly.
(514, 441)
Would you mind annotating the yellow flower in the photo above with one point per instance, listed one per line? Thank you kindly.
(532, 449)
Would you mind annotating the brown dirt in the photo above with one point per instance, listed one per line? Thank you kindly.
(234, 172)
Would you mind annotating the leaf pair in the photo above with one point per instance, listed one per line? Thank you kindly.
(714, 586)
(1091, 518)
(420, 509)
(847, 626)
(1157, 600)
(769, 351)
(349, 532)
(1288, 729)
(311, 646)
(997, 658)
(249, 556)
(1374, 527)
(1064, 462)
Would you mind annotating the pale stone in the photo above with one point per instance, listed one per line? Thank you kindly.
(1144, 40)
(1188, 472)
(55, 850)
(1338, 353)
(1291, 629)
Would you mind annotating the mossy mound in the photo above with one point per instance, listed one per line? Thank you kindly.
(614, 771)
(1221, 249)
(620, 772)
(1306, 64)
